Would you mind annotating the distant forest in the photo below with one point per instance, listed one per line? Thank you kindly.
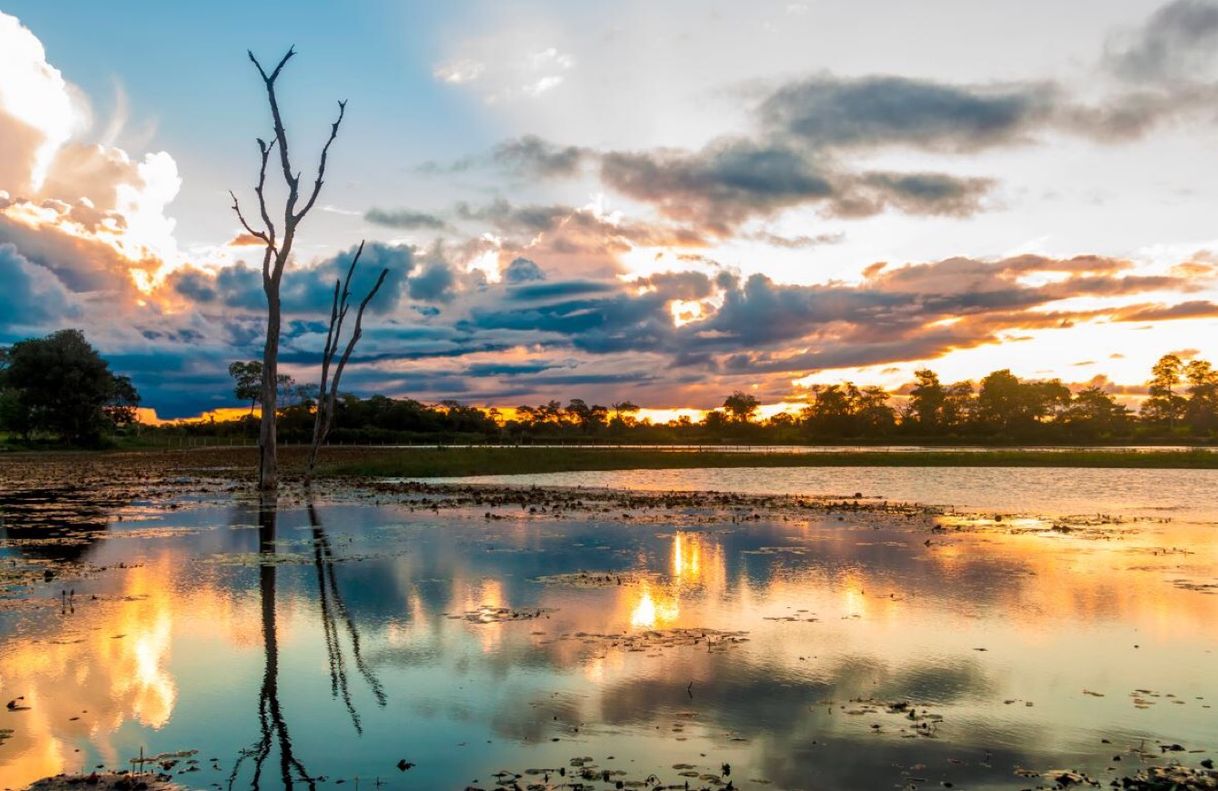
(59, 389)
(1181, 405)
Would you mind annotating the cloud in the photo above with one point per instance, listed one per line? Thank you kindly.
(434, 284)
(734, 180)
(720, 186)
(93, 197)
(522, 270)
(525, 338)
(32, 298)
(532, 156)
(528, 156)
(308, 289)
(576, 241)
(833, 112)
(39, 112)
(912, 193)
(1192, 309)
(458, 72)
(1177, 42)
(405, 219)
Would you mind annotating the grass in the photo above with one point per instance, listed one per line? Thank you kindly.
(452, 462)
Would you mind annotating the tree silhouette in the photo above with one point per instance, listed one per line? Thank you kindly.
(277, 250)
(328, 389)
(741, 406)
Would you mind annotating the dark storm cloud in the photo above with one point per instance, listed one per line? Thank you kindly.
(311, 289)
(31, 296)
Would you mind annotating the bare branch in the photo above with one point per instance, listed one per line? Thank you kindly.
(244, 223)
(274, 75)
(326, 397)
(321, 167)
(281, 135)
(265, 150)
(358, 331)
(327, 355)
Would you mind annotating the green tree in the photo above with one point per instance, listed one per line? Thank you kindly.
(60, 385)
(1095, 414)
(741, 406)
(829, 412)
(846, 410)
(872, 413)
(1165, 405)
(1001, 402)
(1201, 411)
(247, 383)
(926, 401)
(1008, 406)
(123, 407)
(959, 406)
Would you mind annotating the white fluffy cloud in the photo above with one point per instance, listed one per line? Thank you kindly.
(37, 107)
(60, 182)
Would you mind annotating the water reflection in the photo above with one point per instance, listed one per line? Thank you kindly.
(270, 713)
(332, 608)
(322, 612)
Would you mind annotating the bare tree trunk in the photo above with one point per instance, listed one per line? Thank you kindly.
(276, 253)
(326, 398)
(268, 438)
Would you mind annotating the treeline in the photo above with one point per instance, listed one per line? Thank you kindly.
(1181, 406)
(58, 388)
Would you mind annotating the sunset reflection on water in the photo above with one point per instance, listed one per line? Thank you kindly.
(174, 651)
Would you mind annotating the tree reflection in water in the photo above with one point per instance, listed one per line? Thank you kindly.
(332, 605)
(274, 728)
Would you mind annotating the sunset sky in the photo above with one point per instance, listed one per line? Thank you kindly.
(662, 202)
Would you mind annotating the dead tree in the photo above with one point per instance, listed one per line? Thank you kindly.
(327, 392)
(277, 251)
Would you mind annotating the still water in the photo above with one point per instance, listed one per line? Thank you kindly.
(833, 649)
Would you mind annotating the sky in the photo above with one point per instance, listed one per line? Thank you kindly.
(659, 202)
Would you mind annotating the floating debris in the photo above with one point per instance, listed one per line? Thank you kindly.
(489, 614)
(597, 579)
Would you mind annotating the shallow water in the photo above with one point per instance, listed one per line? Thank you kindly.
(1191, 494)
(341, 639)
